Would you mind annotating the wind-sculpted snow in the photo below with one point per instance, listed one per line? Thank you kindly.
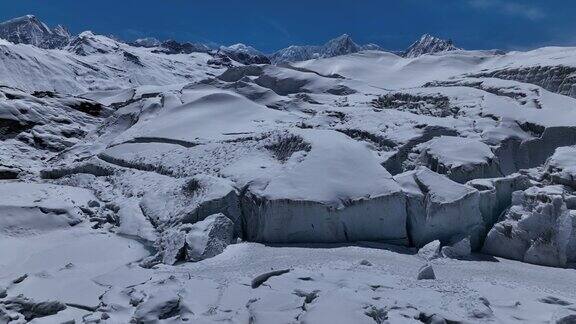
(138, 184)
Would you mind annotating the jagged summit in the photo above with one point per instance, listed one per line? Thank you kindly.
(428, 44)
(30, 30)
(245, 54)
(340, 45)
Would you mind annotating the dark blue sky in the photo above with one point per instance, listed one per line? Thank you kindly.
(273, 24)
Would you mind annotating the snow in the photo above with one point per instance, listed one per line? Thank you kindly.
(330, 158)
(155, 184)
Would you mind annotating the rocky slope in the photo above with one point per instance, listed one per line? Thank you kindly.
(135, 178)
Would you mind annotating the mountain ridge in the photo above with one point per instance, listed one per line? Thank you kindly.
(30, 30)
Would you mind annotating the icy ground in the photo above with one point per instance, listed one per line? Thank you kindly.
(139, 185)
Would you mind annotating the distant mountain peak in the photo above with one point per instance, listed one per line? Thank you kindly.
(146, 42)
(428, 44)
(245, 54)
(29, 30)
(341, 45)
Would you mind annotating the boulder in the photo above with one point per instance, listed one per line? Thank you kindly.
(209, 237)
(426, 272)
(440, 209)
(164, 303)
(458, 250)
(199, 241)
(431, 250)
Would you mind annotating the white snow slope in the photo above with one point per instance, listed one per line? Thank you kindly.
(332, 172)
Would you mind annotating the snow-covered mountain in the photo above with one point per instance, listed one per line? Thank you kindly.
(354, 188)
(428, 44)
(341, 45)
(245, 54)
(146, 42)
(29, 30)
(173, 47)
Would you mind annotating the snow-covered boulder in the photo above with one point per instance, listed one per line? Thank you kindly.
(537, 229)
(561, 167)
(426, 273)
(195, 242)
(458, 250)
(209, 237)
(431, 250)
(439, 208)
(163, 304)
(461, 159)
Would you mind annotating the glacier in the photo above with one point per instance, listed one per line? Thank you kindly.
(162, 182)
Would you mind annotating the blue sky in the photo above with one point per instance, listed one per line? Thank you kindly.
(273, 24)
